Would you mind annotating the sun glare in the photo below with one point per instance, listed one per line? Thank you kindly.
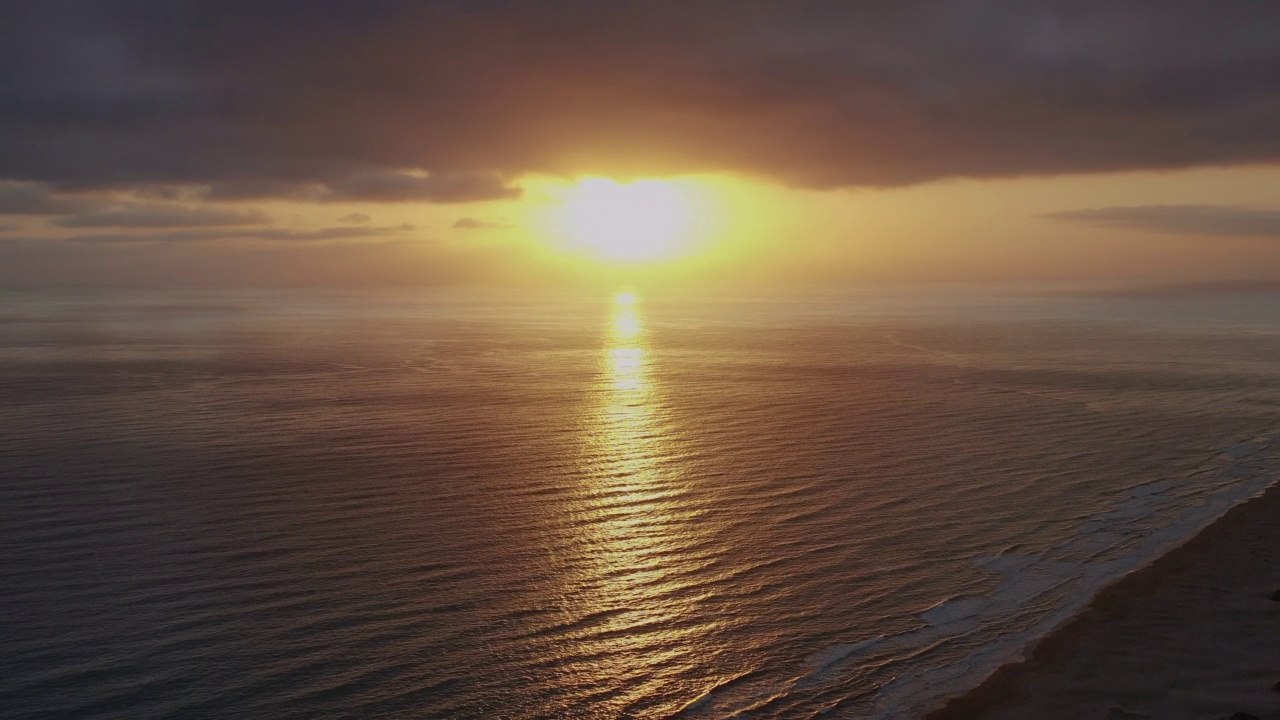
(639, 221)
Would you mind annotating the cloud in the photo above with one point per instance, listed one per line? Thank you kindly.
(377, 186)
(338, 98)
(410, 187)
(33, 198)
(470, 223)
(333, 233)
(84, 211)
(355, 219)
(275, 235)
(177, 236)
(160, 216)
(1208, 220)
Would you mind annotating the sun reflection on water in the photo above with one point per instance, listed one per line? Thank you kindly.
(627, 437)
(627, 357)
(639, 537)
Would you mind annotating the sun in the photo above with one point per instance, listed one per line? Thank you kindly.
(645, 220)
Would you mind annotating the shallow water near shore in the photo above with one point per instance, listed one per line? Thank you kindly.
(525, 505)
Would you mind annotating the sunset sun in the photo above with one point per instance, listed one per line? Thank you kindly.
(645, 220)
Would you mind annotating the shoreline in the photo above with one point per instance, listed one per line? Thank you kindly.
(1120, 654)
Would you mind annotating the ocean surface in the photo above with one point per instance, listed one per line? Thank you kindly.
(615, 505)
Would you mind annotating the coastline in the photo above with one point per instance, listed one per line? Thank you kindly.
(1192, 634)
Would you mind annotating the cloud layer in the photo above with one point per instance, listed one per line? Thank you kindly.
(471, 223)
(93, 211)
(139, 215)
(449, 101)
(1208, 220)
(268, 234)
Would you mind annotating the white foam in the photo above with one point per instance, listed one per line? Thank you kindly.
(955, 609)
(1075, 569)
(1239, 451)
(1025, 577)
(828, 656)
(1153, 488)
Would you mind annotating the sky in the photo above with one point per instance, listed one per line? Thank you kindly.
(388, 142)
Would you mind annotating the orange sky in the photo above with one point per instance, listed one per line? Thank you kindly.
(744, 231)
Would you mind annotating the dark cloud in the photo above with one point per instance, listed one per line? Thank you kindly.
(355, 219)
(30, 198)
(408, 187)
(333, 233)
(160, 216)
(83, 211)
(470, 223)
(339, 98)
(1209, 220)
(378, 186)
(281, 235)
(176, 236)
(166, 192)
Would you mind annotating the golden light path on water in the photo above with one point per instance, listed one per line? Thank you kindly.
(641, 538)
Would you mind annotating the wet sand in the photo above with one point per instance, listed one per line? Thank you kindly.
(1194, 635)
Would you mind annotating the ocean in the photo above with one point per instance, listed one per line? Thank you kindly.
(625, 504)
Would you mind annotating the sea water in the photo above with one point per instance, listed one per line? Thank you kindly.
(428, 504)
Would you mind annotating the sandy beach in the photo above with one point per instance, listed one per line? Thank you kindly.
(1194, 635)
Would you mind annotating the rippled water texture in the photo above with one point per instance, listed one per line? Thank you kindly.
(533, 506)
